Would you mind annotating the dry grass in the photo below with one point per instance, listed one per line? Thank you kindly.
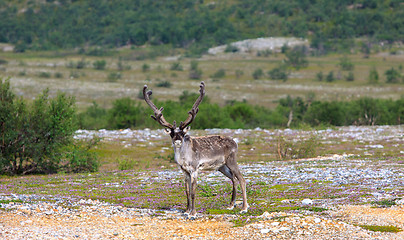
(90, 85)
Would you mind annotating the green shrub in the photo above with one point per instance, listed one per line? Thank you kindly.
(80, 157)
(165, 84)
(145, 67)
(319, 76)
(297, 57)
(126, 113)
(81, 64)
(393, 76)
(350, 77)
(35, 136)
(44, 75)
(94, 117)
(195, 73)
(126, 164)
(74, 74)
(278, 73)
(114, 76)
(289, 149)
(327, 113)
(219, 73)
(330, 77)
(345, 64)
(99, 64)
(258, 73)
(373, 76)
(58, 75)
(176, 66)
(3, 61)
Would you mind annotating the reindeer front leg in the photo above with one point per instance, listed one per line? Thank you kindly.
(187, 180)
(192, 189)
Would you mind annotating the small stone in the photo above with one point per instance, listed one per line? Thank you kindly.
(265, 230)
(285, 201)
(266, 215)
(307, 201)
(317, 220)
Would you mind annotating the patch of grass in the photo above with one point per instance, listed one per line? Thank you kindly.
(244, 220)
(289, 149)
(220, 211)
(9, 201)
(375, 228)
(385, 203)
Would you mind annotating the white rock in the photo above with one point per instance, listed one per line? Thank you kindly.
(285, 201)
(266, 215)
(307, 201)
(265, 230)
(317, 220)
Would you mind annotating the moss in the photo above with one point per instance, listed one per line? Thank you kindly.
(376, 228)
(385, 203)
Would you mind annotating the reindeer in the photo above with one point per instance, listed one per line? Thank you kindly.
(194, 154)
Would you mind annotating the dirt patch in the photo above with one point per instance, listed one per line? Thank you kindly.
(94, 221)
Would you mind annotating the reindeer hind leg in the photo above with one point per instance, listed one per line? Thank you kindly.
(232, 165)
(228, 173)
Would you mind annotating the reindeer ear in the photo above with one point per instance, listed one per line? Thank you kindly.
(167, 131)
(186, 129)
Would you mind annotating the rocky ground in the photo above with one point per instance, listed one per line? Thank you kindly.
(87, 219)
(361, 187)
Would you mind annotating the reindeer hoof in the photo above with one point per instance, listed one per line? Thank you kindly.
(231, 207)
(243, 211)
(191, 217)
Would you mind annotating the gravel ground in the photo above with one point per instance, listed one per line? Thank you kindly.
(50, 217)
(87, 219)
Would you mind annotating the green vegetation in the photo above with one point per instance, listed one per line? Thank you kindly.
(128, 113)
(296, 150)
(385, 203)
(38, 137)
(375, 228)
(44, 25)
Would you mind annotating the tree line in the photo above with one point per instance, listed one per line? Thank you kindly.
(37, 137)
(196, 25)
(290, 112)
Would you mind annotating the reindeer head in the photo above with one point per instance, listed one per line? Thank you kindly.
(177, 134)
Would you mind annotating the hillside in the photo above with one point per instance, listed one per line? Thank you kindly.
(195, 25)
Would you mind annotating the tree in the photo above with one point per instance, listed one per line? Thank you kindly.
(278, 73)
(345, 64)
(373, 76)
(392, 76)
(35, 136)
(258, 73)
(99, 64)
(194, 71)
(297, 57)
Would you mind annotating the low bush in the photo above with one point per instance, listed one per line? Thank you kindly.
(99, 64)
(289, 149)
(35, 136)
(258, 73)
(290, 112)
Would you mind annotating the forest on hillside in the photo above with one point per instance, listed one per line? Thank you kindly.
(191, 24)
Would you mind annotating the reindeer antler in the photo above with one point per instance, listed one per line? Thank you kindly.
(194, 110)
(158, 115)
